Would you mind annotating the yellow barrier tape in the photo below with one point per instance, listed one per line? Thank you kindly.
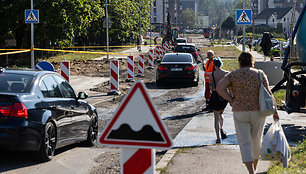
(83, 52)
(106, 46)
(15, 52)
(12, 49)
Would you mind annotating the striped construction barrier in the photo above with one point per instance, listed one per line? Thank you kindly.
(158, 52)
(114, 77)
(140, 65)
(65, 69)
(130, 68)
(170, 42)
(151, 57)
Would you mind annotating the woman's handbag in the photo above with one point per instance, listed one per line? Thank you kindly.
(266, 102)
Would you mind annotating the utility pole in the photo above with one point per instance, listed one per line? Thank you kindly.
(139, 26)
(107, 39)
(292, 22)
(253, 17)
(150, 23)
(243, 46)
(32, 40)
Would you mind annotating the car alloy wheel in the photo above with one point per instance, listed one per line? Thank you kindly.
(92, 132)
(48, 143)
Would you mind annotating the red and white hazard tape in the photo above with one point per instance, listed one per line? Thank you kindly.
(65, 69)
(114, 77)
(151, 56)
(130, 68)
(140, 65)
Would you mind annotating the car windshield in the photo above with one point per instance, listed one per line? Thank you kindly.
(15, 83)
(181, 41)
(187, 48)
(177, 58)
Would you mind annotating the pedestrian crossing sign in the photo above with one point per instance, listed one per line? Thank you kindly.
(243, 17)
(31, 16)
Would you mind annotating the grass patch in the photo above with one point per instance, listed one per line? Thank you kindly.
(230, 64)
(297, 164)
(80, 56)
(223, 51)
(280, 96)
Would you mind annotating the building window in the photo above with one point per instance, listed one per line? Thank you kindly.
(154, 3)
(284, 19)
(273, 20)
(154, 19)
(301, 5)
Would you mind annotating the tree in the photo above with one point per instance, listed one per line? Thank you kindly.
(229, 23)
(188, 18)
(60, 21)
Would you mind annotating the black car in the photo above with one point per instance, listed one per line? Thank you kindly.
(187, 48)
(178, 67)
(39, 111)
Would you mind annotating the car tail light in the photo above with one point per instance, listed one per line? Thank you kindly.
(161, 67)
(191, 67)
(16, 110)
(5, 110)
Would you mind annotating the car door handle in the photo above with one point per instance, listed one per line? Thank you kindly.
(53, 108)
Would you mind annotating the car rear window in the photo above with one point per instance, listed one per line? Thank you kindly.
(15, 83)
(177, 58)
(187, 48)
(181, 41)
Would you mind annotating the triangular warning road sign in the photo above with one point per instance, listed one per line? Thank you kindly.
(31, 17)
(244, 17)
(136, 123)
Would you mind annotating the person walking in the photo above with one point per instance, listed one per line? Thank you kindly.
(208, 69)
(217, 103)
(244, 99)
(250, 42)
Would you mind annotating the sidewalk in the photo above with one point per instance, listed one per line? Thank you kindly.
(256, 55)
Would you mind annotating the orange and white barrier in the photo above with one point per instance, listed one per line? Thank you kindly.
(130, 68)
(151, 56)
(65, 69)
(114, 77)
(140, 65)
(158, 52)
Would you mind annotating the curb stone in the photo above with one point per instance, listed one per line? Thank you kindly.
(165, 160)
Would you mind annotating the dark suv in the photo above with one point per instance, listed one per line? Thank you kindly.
(39, 111)
(187, 48)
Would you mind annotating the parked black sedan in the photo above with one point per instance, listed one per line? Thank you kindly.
(39, 111)
(187, 48)
(178, 67)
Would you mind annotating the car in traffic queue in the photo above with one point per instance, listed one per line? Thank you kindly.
(179, 40)
(39, 111)
(187, 48)
(178, 68)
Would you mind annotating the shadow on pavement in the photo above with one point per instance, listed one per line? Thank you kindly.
(152, 85)
(178, 117)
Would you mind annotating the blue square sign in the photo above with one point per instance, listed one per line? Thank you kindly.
(243, 17)
(31, 16)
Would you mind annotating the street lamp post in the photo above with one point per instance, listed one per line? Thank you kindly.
(107, 39)
(139, 26)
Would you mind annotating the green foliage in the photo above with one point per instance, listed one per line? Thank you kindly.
(60, 21)
(275, 53)
(188, 18)
(297, 163)
(280, 96)
(229, 23)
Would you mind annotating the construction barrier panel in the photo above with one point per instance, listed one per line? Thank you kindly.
(151, 57)
(65, 69)
(130, 68)
(114, 75)
(140, 65)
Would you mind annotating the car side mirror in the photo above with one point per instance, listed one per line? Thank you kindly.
(158, 60)
(82, 95)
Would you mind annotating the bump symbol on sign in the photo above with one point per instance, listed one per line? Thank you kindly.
(244, 17)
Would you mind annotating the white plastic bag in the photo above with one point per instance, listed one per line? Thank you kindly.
(275, 145)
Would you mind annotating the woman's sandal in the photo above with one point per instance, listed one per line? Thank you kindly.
(218, 141)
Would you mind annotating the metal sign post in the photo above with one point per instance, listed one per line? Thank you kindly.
(107, 39)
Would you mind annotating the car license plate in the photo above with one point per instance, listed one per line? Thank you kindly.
(176, 69)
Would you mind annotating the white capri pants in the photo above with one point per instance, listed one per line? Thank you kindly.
(249, 127)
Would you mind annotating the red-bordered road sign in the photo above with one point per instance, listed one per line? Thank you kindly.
(136, 123)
